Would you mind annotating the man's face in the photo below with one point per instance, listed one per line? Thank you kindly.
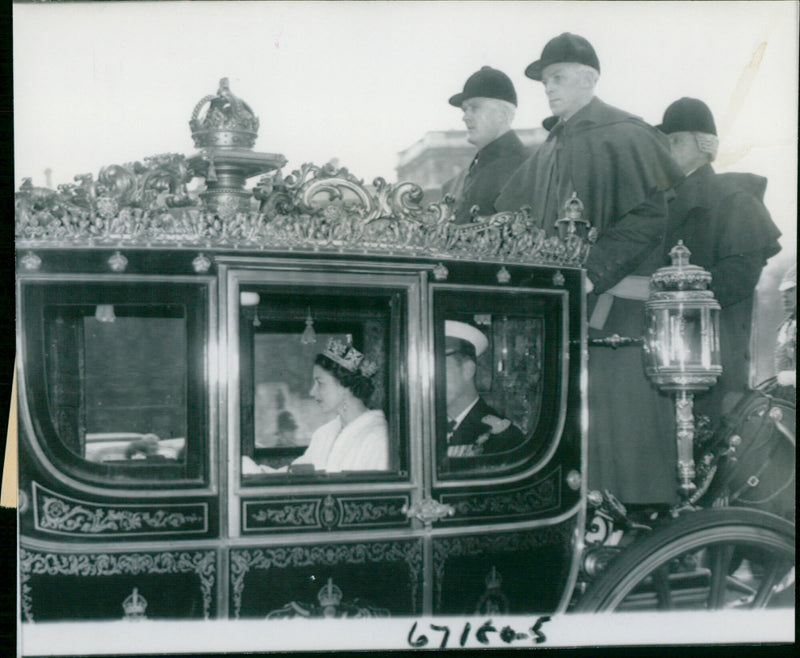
(685, 151)
(567, 89)
(485, 119)
(458, 377)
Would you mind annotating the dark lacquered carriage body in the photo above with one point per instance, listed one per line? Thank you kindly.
(185, 358)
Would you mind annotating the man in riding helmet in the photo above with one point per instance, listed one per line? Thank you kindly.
(722, 220)
(488, 102)
(619, 167)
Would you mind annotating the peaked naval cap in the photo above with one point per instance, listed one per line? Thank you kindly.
(688, 115)
(467, 333)
(487, 83)
(566, 47)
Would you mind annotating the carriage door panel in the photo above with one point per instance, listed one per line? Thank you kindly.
(511, 480)
(117, 425)
(310, 541)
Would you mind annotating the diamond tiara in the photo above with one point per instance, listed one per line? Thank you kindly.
(368, 368)
(349, 358)
(345, 355)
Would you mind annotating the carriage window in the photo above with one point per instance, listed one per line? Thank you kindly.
(498, 356)
(320, 384)
(117, 377)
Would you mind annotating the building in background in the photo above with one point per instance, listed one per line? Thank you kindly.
(441, 154)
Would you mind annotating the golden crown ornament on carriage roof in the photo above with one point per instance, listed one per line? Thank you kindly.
(222, 120)
(226, 129)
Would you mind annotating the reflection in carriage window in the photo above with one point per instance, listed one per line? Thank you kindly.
(490, 415)
(122, 366)
(133, 383)
(314, 382)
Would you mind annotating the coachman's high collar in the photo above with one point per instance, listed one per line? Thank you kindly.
(692, 189)
(703, 172)
(594, 113)
(556, 125)
(500, 146)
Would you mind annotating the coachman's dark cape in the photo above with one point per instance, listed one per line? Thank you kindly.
(480, 183)
(620, 168)
(722, 220)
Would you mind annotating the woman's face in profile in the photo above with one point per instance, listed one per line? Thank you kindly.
(326, 391)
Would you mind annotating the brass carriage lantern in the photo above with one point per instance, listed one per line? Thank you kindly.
(682, 352)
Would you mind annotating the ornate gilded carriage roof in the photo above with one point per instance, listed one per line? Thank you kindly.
(317, 209)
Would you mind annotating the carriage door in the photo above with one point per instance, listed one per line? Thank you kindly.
(506, 470)
(307, 539)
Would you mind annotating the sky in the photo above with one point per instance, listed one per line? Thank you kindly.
(107, 83)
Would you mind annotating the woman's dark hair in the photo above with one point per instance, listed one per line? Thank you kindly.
(359, 385)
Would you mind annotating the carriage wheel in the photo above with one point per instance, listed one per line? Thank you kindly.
(711, 559)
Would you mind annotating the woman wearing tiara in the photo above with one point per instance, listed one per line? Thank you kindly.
(357, 438)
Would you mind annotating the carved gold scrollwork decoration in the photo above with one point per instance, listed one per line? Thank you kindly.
(312, 209)
(86, 565)
(242, 561)
(336, 188)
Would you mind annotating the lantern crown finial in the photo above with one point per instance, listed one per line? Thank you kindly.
(681, 275)
(680, 254)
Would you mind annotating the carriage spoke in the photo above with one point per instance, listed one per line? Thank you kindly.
(720, 562)
(772, 574)
(662, 585)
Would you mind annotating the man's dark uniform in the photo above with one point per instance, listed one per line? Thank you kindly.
(482, 431)
(722, 220)
(481, 440)
(620, 168)
(480, 183)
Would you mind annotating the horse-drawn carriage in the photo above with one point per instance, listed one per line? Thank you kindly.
(166, 337)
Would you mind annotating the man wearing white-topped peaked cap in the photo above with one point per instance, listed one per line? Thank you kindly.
(474, 428)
